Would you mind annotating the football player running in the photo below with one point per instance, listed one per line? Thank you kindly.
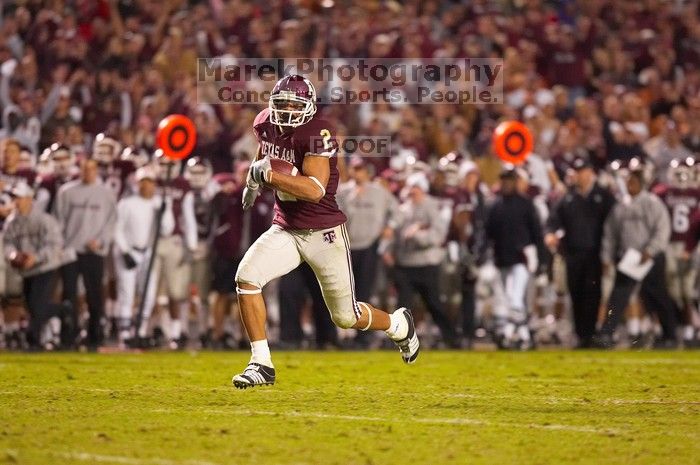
(307, 227)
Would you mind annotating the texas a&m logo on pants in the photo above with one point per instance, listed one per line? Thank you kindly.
(329, 236)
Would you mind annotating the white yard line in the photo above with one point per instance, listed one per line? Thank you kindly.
(575, 400)
(431, 421)
(100, 458)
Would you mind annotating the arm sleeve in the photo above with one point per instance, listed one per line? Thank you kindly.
(392, 206)
(661, 228)
(120, 228)
(42, 199)
(59, 206)
(5, 99)
(50, 103)
(53, 240)
(167, 221)
(436, 233)
(9, 241)
(126, 113)
(106, 234)
(609, 243)
(535, 228)
(554, 222)
(190, 221)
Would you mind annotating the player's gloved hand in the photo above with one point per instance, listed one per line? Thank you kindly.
(129, 261)
(260, 170)
(249, 196)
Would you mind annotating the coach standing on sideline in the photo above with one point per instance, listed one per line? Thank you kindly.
(87, 212)
(34, 246)
(642, 224)
(576, 223)
(420, 232)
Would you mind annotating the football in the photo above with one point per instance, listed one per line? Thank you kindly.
(282, 166)
(18, 259)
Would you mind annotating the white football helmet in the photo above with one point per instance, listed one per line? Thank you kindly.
(105, 149)
(198, 172)
(680, 175)
(62, 159)
(138, 156)
(162, 163)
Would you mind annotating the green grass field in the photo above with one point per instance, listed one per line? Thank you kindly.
(352, 408)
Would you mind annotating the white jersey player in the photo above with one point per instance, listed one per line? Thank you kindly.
(133, 238)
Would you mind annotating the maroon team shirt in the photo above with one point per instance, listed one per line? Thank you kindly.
(51, 183)
(176, 190)
(117, 176)
(683, 207)
(21, 175)
(316, 136)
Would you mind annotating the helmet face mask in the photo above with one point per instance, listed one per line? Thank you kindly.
(682, 174)
(292, 102)
(62, 162)
(163, 163)
(198, 173)
(139, 157)
(105, 150)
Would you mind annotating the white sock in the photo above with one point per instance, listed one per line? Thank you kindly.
(524, 333)
(398, 326)
(261, 353)
(143, 329)
(688, 332)
(634, 326)
(175, 328)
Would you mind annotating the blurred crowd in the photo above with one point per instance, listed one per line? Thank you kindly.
(520, 256)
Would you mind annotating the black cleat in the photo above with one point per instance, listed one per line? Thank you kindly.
(409, 346)
(255, 374)
(603, 341)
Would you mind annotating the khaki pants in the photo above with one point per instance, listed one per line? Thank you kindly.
(173, 274)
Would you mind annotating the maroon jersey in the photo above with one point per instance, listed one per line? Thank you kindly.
(178, 190)
(261, 215)
(317, 137)
(228, 224)
(693, 236)
(21, 175)
(682, 204)
(119, 177)
(51, 183)
(203, 215)
(8, 180)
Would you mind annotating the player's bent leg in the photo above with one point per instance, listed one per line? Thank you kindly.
(272, 255)
(328, 254)
(399, 326)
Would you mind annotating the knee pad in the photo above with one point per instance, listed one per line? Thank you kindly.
(344, 320)
(248, 274)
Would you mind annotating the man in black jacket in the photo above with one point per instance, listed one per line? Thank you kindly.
(576, 226)
(513, 228)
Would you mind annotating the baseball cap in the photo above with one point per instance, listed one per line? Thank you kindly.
(22, 190)
(145, 172)
(357, 162)
(508, 172)
(418, 180)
